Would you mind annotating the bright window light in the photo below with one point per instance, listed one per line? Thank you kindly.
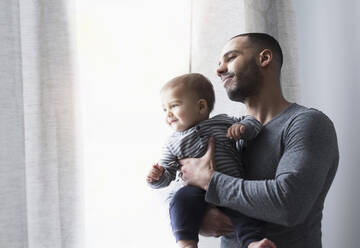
(126, 51)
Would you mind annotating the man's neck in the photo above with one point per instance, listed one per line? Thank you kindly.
(265, 108)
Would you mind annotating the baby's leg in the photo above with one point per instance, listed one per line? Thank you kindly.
(187, 209)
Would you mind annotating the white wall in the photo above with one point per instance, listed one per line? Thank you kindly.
(328, 33)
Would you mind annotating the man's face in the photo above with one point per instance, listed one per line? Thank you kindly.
(238, 70)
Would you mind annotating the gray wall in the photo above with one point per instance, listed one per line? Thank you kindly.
(328, 33)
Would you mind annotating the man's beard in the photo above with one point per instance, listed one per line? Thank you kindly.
(248, 83)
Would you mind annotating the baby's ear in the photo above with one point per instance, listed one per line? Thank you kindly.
(203, 106)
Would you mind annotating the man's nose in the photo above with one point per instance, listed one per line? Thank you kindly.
(221, 69)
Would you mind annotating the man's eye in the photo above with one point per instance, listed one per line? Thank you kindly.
(174, 105)
(231, 58)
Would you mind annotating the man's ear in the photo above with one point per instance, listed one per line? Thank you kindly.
(265, 57)
(203, 106)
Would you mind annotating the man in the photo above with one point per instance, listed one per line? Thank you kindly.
(289, 166)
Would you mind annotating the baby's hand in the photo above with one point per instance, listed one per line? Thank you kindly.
(236, 131)
(155, 173)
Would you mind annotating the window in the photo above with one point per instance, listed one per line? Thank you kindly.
(126, 51)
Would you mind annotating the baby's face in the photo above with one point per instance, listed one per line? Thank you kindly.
(181, 108)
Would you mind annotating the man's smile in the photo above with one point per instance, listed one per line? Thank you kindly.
(226, 78)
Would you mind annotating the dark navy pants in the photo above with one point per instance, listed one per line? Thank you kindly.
(187, 209)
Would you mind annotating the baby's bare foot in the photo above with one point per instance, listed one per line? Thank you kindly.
(264, 243)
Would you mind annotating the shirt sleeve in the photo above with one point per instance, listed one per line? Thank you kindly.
(252, 127)
(170, 163)
(308, 162)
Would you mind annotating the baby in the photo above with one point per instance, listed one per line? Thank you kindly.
(187, 101)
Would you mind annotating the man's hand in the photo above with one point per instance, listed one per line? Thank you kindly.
(215, 223)
(155, 173)
(236, 131)
(264, 243)
(198, 171)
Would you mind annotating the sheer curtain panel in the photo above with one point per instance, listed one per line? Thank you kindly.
(39, 169)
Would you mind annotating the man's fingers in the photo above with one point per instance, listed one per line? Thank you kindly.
(237, 132)
(242, 129)
(233, 132)
(266, 243)
(215, 223)
(210, 151)
(228, 134)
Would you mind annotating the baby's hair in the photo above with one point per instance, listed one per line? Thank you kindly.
(196, 83)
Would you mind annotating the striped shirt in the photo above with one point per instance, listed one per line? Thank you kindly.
(192, 143)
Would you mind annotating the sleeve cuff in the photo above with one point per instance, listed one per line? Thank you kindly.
(252, 127)
(211, 195)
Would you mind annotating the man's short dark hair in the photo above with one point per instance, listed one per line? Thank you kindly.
(263, 41)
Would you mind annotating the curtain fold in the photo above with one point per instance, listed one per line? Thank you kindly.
(277, 18)
(39, 167)
(214, 22)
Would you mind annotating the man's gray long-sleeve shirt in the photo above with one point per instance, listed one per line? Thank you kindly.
(289, 168)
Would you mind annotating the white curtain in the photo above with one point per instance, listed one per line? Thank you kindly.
(216, 21)
(39, 169)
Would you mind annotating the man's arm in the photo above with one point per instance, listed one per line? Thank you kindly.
(310, 151)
